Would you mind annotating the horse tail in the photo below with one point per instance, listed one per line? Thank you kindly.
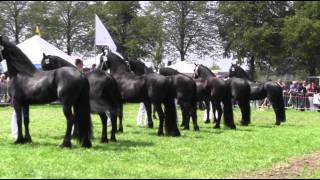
(82, 115)
(170, 110)
(275, 95)
(227, 107)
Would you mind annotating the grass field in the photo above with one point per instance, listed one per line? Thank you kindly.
(140, 153)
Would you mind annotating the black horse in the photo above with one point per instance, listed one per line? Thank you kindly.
(31, 86)
(104, 93)
(184, 87)
(269, 89)
(216, 90)
(149, 89)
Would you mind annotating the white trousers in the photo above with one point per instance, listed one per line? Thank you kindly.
(14, 125)
(141, 113)
(205, 113)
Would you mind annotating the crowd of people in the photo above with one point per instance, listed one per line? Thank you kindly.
(301, 95)
(4, 98)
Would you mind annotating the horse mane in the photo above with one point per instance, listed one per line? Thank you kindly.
(116, 58)
(207, 70)
(62, 62)
(16, 59)
(241, 73)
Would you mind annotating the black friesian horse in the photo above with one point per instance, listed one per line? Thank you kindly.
(185, 90)
(186, 94)
(149, 89)
(269, 89)
(31, 86)
(104, 93)
(217, 91)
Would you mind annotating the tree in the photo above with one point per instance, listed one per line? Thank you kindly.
(188, 26)
(251, 30)
(302, 34)
(13, 18)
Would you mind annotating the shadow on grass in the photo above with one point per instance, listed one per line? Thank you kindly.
(122, 145)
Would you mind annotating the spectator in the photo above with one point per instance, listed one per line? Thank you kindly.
(94, 66)
(3, 88)
(79, 64)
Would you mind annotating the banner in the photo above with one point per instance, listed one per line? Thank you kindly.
(103, 37)
(316, 99)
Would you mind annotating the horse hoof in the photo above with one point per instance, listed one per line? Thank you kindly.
(174, 134)
(19, 141)
(104, 140)
(160, 134)
(28, 140)
(216, 127)
(196, 128)
(150, 125)
(186, 128)
(120, 130)
(243, 123)
(113, 140)
(66, 145)
(182, 125)
(87, 144)
(207, 122)
(278, 123)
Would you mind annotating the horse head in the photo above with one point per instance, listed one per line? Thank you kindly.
(45, 59)
(196, 71)
(232, 70)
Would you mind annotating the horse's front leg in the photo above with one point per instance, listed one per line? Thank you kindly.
(161, 119)
(26, 121)
(69, 116)
(18, 110)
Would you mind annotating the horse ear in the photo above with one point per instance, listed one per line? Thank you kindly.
(44, 55)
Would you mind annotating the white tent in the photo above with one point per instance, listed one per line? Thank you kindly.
(36, 46)
(94, 60)
(184, 67)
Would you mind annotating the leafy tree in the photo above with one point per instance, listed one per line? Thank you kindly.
(251, 30)
(188, 26)
(302, 34)
(13, 18)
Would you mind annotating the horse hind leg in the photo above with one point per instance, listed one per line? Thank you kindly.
(245, 111)
(148, 107)
(113, 117)
(217, 107)
(26, 121)
(120, 113)
(207, 112)
(104, 119)
(161, 119)
(69, 116)
(194, 117)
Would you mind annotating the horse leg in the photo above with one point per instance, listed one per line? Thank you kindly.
(214, 109)
(207, 111)
(154, 112)
(26, 121)
(69, 116)
(245, 111)
(18, 109)
(104, 119)
(120, 118)
(148, 107)
(113, 116)
(218, 108)
(185, 116)
(194, 117)
(278, 107)
(161, 119)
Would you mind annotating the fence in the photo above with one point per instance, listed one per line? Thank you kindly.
(298, 102)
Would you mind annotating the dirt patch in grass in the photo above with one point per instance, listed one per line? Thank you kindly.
(294, 168)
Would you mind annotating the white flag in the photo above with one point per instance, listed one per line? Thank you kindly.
(103, 37)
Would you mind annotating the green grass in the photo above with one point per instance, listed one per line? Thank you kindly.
(140, 153)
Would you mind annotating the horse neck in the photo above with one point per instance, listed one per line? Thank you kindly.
(118, 67)
(206, 73)
(240, 73)
(19, 63)
(138, 67)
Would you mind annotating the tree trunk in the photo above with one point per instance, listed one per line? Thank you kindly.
(312, 70)
(252, 68)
